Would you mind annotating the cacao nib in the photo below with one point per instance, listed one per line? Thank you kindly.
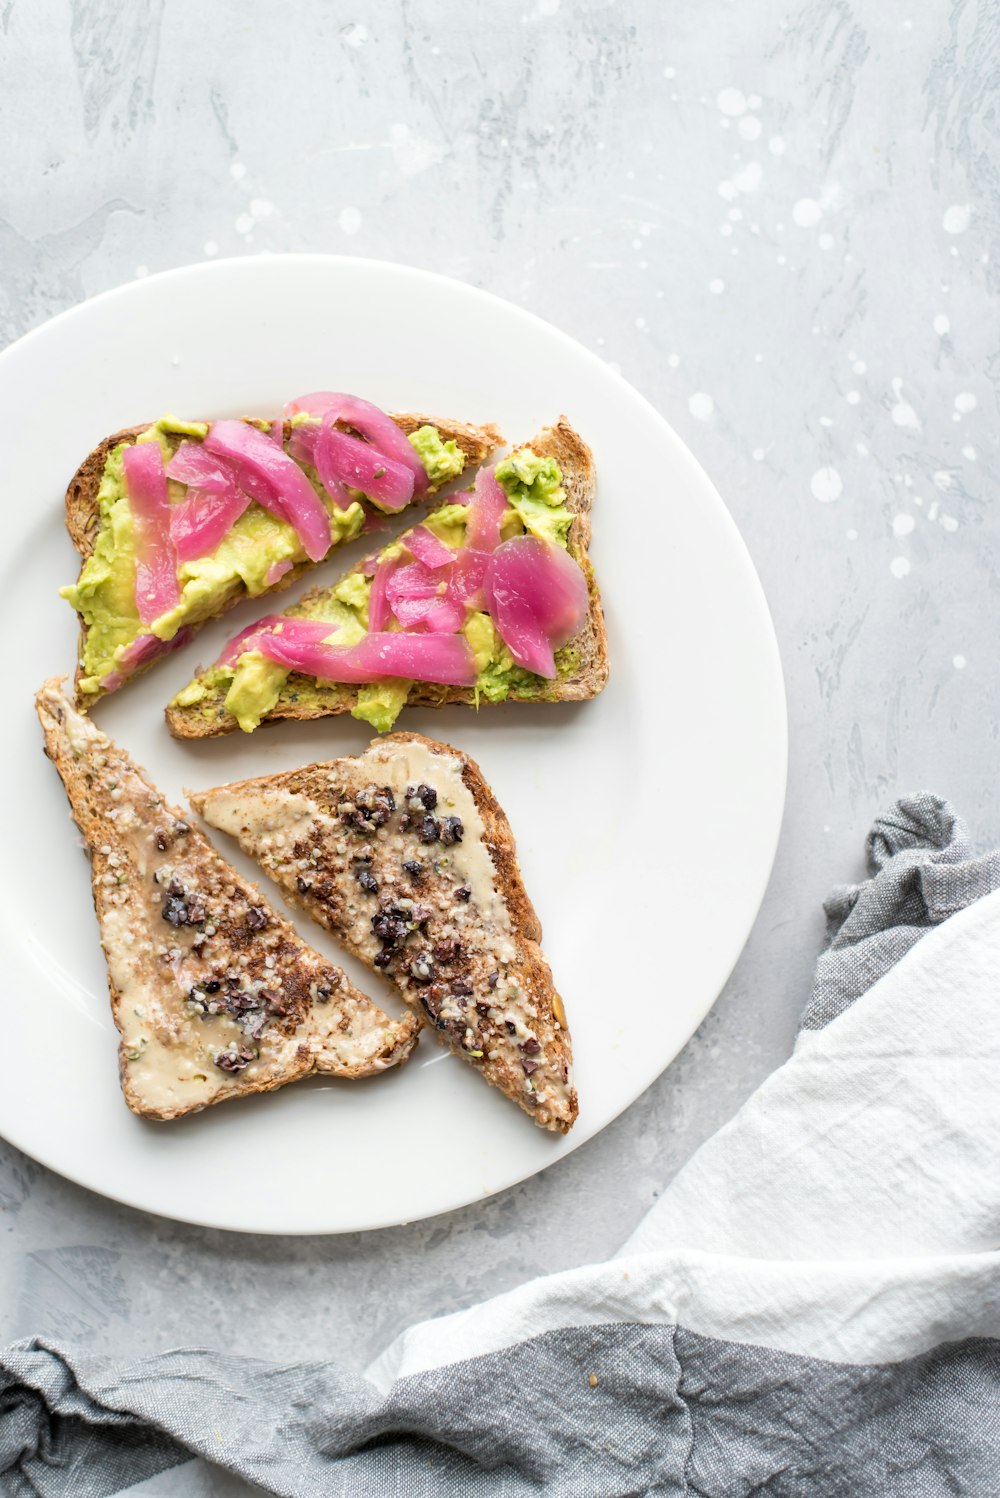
(414, 868)
(422, 967)
(428, 830)
(511, 1027)
(451, 830)
(303, 885)
(277, 1003)
(233, 1061)
(447, 951)
(428, 795)
(530, 1067)
(367, 879)
(370, 808)
(256, 918)
(493, 979)
(461, 987)
(463, 893)
(383, 958)
(531, 1046)
(175, 911)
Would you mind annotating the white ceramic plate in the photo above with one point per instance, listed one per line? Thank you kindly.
(646, 820)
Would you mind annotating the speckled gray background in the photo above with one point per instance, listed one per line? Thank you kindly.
(777, 220)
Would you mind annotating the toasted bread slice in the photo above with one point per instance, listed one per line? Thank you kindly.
(83, 516)
(405, 855)
(214, 995)
(303, 697)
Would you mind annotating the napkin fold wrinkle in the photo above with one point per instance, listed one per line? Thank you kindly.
(812, 1307)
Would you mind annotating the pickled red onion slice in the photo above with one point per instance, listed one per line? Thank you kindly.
(427, 548)
(343, 460)
(465, 580)
(157, 590)
(202, 520)
(306, 631)
(272, 478)
(276, 572)
(537, 597)
(199, 469)
(379, 429)
(487, 509)
(443, 658)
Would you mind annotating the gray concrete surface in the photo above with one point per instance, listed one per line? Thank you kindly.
(780, 221)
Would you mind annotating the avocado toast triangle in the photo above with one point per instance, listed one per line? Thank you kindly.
(214, 995)
(549, 485)
(259, 553)
(405, 855)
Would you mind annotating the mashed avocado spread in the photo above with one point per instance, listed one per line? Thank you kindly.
(253, 686)
(104, 594)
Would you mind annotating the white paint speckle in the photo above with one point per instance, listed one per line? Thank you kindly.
(701, 405)
(141, 271)
(355, 35)
(949, 523)
(807, 212)
(717, 286)
(902, 525)
(754, 101)
(825, 241)
(670, 72)
(899, 567)
(852, 534)
(959, 662)
(861, 449)
(210, 247)
(245, 224)
(852, 397)
(902, 412)
(776, 146)
(732, 101)
(413, 154)
(942, 480)
(673, 360)
(941, 325)
(956, 218)
(970, 453)
(826, 421)
(826, 485)
(237, 171)
(759, 455)
(261, 208)
(725, 230)
(965, 402)
(860, 367)
(349, 220)
(547, 7)
(749, 127)
(750, 178)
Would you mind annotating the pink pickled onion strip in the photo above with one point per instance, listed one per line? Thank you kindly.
(374, 424)
(192, 465)
(465, 580)
(268, 473)
(304, 631)
(302, 444)
(427, 548)
(143, 649)
(276, 432)
(341, 459)
(410, 589)
(537, 597)
(442, 658)
(379, 609)
(442, 615)
(202, 520)
(276, 572)
(489, 504)
(156, 587)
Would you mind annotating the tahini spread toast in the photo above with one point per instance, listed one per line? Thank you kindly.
(405, 855)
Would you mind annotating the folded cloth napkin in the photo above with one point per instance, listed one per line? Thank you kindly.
(812, 1307)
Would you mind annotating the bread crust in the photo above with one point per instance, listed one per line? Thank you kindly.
(83, 512)
(576, 461)
(299, 1041)
(530, 970)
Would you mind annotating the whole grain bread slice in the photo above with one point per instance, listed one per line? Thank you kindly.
(208, 717)
(405, 855)
(215, 995)
(83, 515)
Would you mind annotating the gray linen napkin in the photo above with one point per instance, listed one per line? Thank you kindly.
(785, 1321)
